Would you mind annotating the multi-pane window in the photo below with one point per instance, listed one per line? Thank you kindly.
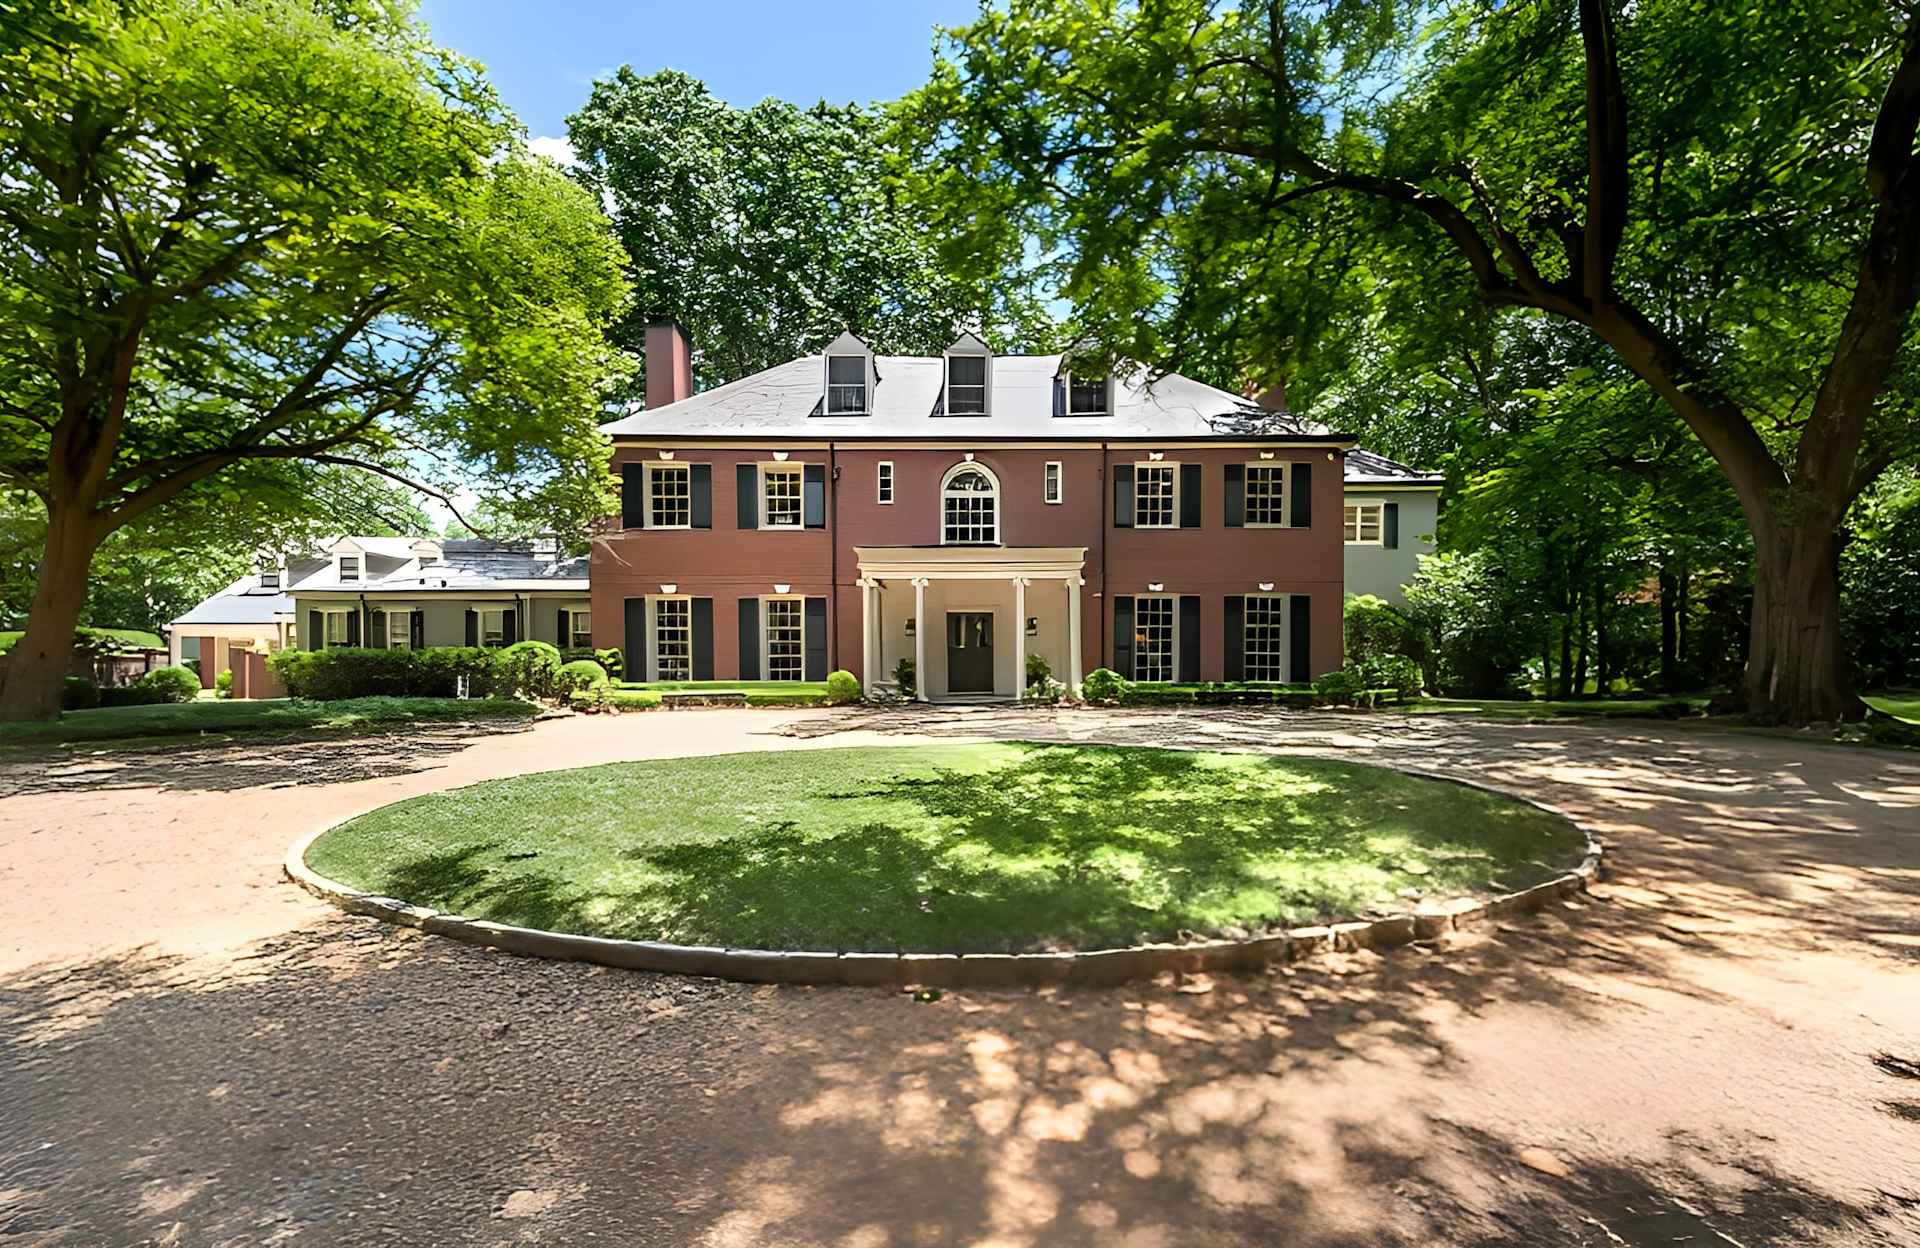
(399, 630)
(1153, 496)
(1266, 494)
(493, 628)
(580, 629)
(970, 509)
(1364, 522)
(673, 638)
(1153, 638)
(349, 567)
(966, 385)
(1086, 396)
(885, 481)
(846, 384)
(335, 627)
(1264, 641)
(669, 496)
(786, 639)
(1053, 491)
(780, 492)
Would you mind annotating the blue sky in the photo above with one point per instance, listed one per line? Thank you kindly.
(542, 55)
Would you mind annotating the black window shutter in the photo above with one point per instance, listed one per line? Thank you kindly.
(1123, 635)
(473, 627)
(560, 630)
(1059, 396)
(353, 627)
(1301, 503)
(816, 639)
(634, 661)
(813, 495)
(378, 631)
(1300, 643)
(316, 631)
(703, 639)
(1236, 638)
(746, 481)
(417, 629)
(1189, 668)
(1390, 526)
(749, 639)
(633, 496)
(1123, 497)
(509, 625)
(1191, 476)
(1236, 496)
(700, 485)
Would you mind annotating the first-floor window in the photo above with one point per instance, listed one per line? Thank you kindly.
(673, 638)
(886, 481)
(1153, 501)
(786, 639)
(1265, 638)
(336, 626)
(399, 630)
(1153, 638)
(1363, 523)
(780, 492)
(1266, 494)
(493, 628)
(580, 630)
(1053, 489)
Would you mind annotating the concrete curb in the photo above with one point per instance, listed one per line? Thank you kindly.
(1081, 968)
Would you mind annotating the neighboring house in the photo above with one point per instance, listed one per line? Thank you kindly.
(252, 613)
(406, 593)
(963, 511)
(1391, 513)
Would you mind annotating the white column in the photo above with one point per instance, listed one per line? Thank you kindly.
(867, 657)
(920, 638)
(1073, 636)
(1019, 635)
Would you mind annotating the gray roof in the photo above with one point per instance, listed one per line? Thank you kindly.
(785, 401)
(1366, 468)
(242, 602)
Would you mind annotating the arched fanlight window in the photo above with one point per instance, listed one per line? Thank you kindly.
(969, 507)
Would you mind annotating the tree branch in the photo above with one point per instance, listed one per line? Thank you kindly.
(1890, 156)
(1607, 183)
(436, 495)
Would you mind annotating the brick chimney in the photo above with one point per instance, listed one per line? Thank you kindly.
(1271, 398)
(669, 363)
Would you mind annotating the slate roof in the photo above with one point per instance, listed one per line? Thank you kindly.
(1363, 467)
(242, 602)
(785, 401)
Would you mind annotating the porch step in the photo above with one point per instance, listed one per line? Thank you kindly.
(702, 697)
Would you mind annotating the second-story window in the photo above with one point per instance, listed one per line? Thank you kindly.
(669, 496)
(885, 480)
(1364, 523)
(1266, 494)
(966, 385)
(349, 567)
(969, 508)
(846, 385)
(1155, 505)
(780, 497)
(1086, 396)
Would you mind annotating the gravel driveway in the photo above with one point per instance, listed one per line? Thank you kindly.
(1720, 1045)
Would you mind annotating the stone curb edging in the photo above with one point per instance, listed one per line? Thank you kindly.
(1086, 968)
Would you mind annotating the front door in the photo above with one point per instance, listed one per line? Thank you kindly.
(969, 652)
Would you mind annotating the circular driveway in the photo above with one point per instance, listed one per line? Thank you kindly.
(1720, 1044)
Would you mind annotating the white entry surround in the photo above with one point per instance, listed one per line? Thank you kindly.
(1012, 584)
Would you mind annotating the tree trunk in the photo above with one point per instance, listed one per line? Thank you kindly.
(1566, 658)
(36, 668)
(1580, 662)
(1796, 660)
(1604, 673)
(1669, 629)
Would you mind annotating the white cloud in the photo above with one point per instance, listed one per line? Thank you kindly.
(559, 151)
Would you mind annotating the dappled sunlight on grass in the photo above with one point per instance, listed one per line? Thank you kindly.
(958, 847)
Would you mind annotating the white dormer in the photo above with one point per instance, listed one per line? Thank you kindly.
(850, 378)
(349, 563)
(1088, 394)
(968, 378)
(426, 553)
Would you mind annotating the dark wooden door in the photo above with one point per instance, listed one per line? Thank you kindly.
(969, 652)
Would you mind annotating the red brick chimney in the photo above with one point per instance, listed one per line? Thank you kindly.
(669, 363)
(1271, 398)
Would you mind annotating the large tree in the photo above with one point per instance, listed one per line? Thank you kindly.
(238, 233)
(768, 230)
(1726, 196)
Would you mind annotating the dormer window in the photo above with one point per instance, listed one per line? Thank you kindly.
(1086, 396)
(269, 576)
(349, 568)
(846, 385)
(969, 378)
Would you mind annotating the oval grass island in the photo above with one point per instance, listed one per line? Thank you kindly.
(950, 864)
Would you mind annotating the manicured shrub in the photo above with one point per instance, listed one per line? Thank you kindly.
(580, 676)
(613, 660)
(527, 669)
(1104, 685)
(1375, 627)
(1039, 671)
(79, 694)
(903, 675)
(223, 684)
(135, 694)
(843, 687)
(170, 684)
(353, 672)
(1339, 687)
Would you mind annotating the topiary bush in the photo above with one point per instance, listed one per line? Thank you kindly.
(579, 676)
(527, 669)
(170, 684)
(842, 687)
(79, 694)
(1105, 686)
(613, 660)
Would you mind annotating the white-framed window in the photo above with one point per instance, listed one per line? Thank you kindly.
(579, 630)
(269, 576)
(1264, 637)
(1156, 496)
(846, 385)
(349, 568)
(1155, 621)
(1056, 482)
(493, 627)
(334, 628)
(1366, 524)
(883, 481)
(1266, 496)
(1086, 396)
(969, 507)
(966, 385)
(669, 496)
(673, 638)
(399, 630)
(780, 496)
(785, 653)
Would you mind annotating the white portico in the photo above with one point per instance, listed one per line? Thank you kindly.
(968, 616)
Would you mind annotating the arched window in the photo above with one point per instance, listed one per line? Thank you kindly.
(969, 507)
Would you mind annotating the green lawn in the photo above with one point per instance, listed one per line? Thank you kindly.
(954, 847)
(629, 694)
(272, 715)
(1544, 708)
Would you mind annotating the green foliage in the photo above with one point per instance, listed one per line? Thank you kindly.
(903, 674)
(1880, 584)
(79, 694)
(170, 684)
(1105, 686)
(353, 672)
(842, 687)
(580, 676)
(147, 719)
(223, 684)
(1039, 671)
(613, 660)
(1375, 627)
(1474, 632)
(527, 669)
